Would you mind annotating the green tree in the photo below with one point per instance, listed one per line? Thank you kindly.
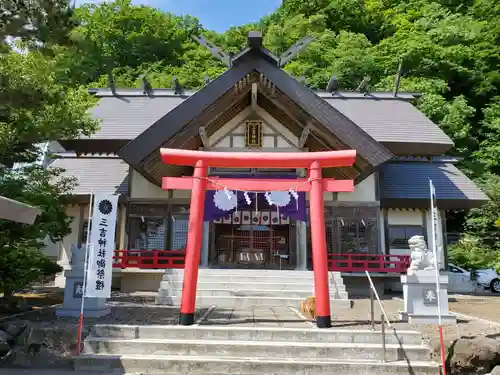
(22, 261)
(35, 22)
(34, 109)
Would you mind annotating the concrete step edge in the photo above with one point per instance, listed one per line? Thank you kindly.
(176, 291)
(256, 329)
(263, 360)
(302, 344)
(258, 297)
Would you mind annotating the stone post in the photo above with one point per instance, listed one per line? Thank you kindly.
(420, 290)
(73, 290)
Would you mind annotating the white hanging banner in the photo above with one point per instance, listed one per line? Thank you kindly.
(437, 239)
(102, 246)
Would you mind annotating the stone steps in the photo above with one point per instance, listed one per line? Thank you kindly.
(250, 288)
(270, 349)
(249, 276)
(249, 365)
(252, 350)
(254, 334)
(247, 302)
(245, 285)
(206, 291)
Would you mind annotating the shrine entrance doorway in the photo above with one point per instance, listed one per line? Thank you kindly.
(253, 239)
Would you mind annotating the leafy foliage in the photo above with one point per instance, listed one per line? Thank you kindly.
(470, 254)
(35, 107)
(21, 259)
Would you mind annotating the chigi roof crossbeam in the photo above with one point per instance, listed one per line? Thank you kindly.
(254, 44)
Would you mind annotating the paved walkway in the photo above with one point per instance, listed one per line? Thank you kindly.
(57, 372)
(284, 317)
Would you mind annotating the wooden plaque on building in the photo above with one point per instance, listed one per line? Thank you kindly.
(253, 134)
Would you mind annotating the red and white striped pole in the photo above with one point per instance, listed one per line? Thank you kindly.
(87, 244)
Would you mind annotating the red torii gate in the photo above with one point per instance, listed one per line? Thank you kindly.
(315, 185)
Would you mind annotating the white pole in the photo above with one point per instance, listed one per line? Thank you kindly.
(438, 289)
(87, 244)
(434, 246)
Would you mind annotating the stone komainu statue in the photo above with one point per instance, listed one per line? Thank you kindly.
(421, 257)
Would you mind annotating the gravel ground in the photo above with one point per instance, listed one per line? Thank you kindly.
(141, 311)
(359, 317)
(484, 307)
(138, 310)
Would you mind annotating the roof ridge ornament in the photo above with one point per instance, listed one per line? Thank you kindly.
(294, 50)
(333, 85)
(397, 80)
(217, 52)
(364, 86)
(176, 86)
(254, 43)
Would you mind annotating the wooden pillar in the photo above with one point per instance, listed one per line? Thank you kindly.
(193, 246)
(319, 252)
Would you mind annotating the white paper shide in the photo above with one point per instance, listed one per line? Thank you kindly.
(101, 246)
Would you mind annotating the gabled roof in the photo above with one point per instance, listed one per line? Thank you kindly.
(95, 174)
(390, 120)
(406, 184)
(125, 117)
(254, 60)
(396, 124)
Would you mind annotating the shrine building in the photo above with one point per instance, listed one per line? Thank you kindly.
(254, 107)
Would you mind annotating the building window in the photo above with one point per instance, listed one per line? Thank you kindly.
(179, 227)
(400, 234)
(350, 230)
(147, 233)
(85, 228)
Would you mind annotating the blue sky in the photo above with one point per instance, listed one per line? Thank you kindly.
(218, 15)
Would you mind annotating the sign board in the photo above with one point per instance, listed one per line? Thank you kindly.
(253, 134)
(430, 297)
(78, 289)
(101, 246)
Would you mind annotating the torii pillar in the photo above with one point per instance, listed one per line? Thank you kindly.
(315, 185)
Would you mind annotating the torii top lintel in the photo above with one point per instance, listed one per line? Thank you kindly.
(323, 159)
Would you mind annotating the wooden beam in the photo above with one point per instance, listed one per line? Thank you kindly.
(214, 50)
(294, 50)
(204, 137)
(254, 95)
(258, 184)
(304, 135)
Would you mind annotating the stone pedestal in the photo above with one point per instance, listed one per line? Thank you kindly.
(73, 290)
(420, 299)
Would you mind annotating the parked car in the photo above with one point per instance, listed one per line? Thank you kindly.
(460, 280)
(486, 278)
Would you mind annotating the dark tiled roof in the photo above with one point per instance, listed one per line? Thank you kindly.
(125, 117)
(391, 120)
(410, 181)
(385, 119)
(97, 174)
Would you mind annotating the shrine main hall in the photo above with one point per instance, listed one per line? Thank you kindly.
(255, 107)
